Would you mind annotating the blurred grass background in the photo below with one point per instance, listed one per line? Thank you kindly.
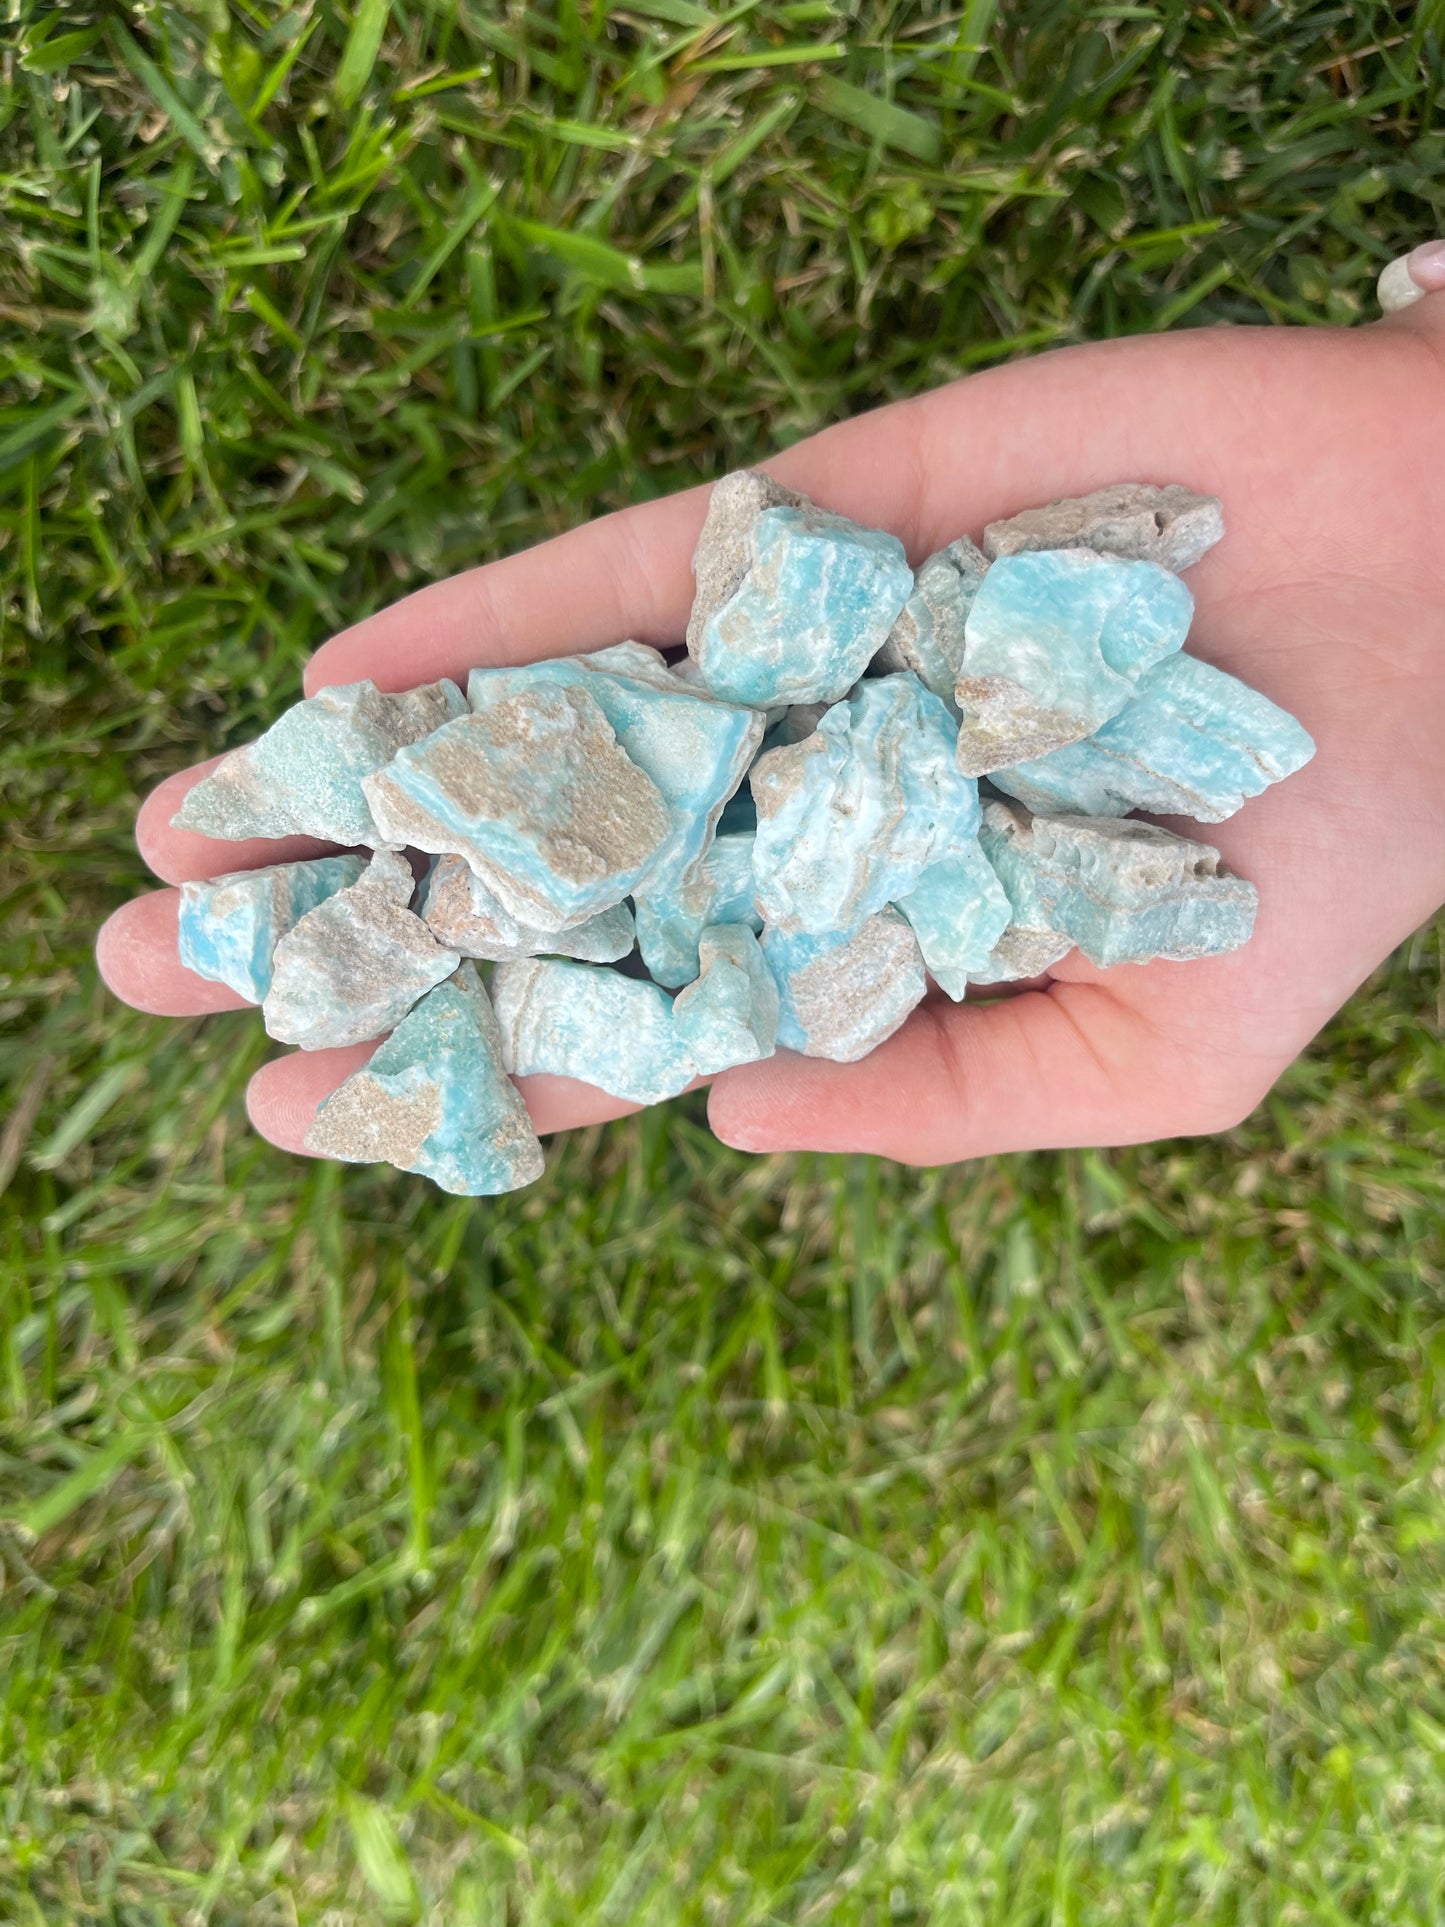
(688, 1538)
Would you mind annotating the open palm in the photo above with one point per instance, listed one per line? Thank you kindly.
(1328, 594)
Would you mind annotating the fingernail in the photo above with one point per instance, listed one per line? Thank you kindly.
(1420, 272)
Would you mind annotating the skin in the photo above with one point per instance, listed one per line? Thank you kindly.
(1328, 594)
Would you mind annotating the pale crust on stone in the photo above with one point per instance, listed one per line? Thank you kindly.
(1005, 723)
(778, 773)
(835, 993)
(724, 548)
(367, 1124)
(1136, 520)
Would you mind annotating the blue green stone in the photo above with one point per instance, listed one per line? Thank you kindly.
(1193, 741)
(718, 889)
(958, 910)
(729, 1015)
(841, 995)
(585, 1021)
(229, 927)
(435, 1099)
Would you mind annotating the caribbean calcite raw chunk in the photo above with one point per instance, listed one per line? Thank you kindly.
(793, 602)
(1055, 644)
(729, 1014)
(1171, 526)
(354, 966)
(851, 817)
(717, 889)
(229, 927)
(461, 912)
(581, 1020)
(693, 746)
(959, 910)
(1122, 890)
(841, 996)
(535, 791)
(435, 1099)
(1193, 741)
(928, 636)
(303, 777)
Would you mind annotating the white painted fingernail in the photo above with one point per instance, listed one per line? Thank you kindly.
(1422, 271)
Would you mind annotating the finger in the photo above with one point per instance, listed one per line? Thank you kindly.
(283, 1096)
(184, 856)
(1068, 1065)
(137, 951)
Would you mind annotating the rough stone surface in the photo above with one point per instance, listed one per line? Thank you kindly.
(1171, 526)
(849, 818)
(693, 746)
(729, 1015)
(537, 794)
(1192, 742)
(840, 997)
(303, 777)
(435, 1099)
(724, 548)
(1123, 891)
(229, 927)
(928, 636)
(718, 889)
(811, 609)
(461, 912)
(355, 965)
(579, 1020)
(1055, 643)
(959, 911)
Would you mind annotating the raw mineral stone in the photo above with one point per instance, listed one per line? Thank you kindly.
(959, 911)
(1171, 526)
(535, 791)
(729, 1015)
(1192, 742)
(693, 746)
(461, 912)
(724, 548)
(1122, 890)
(718, 889)
(229, 927)
(841, 996)
(1055, 643)
(579, 1020)
(355, 965)
(928, 635)
(303, 777)
(812, 598)
(435, 1099)
(849, 818)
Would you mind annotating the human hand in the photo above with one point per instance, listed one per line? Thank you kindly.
(1327, 594)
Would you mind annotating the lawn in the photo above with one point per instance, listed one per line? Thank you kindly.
(689, 1538)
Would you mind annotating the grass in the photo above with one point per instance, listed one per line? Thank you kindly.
(689, 1538)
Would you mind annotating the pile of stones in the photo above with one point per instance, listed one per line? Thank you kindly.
(601, 897)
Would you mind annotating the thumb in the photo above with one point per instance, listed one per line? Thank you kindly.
(1404, 286)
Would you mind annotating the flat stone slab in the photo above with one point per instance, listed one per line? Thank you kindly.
(717, 889)
(1136, 520)
(850, 817)
(1193, 741)
(581, 1020)
(461, 912)
(693, 746)
(812, 598)
(1055, 644)
(928, 636)
(1122, 890)
(729, 1014)
(435, 1099)
(353, 967)
(959, 911)
(229, 927)
(303, 777)
(841, 997)
(538, 795)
